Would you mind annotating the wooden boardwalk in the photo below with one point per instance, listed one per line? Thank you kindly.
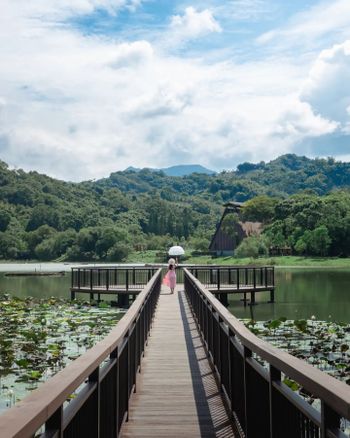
(176, 392)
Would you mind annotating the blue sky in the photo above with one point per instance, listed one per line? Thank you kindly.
(88, 87)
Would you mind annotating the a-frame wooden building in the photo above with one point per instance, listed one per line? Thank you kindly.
(225, 244)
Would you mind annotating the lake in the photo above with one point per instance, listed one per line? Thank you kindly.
(300, 292)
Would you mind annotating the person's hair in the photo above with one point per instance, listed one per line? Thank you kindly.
(171, 266)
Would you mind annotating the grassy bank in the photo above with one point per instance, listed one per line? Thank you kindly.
(150, 256)
(331, 262)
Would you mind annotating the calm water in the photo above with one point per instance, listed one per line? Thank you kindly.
(39, 287)
(300, 293)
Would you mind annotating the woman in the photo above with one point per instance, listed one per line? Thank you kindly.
(170, 277)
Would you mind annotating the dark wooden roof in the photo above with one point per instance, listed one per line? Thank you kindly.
(233, 204)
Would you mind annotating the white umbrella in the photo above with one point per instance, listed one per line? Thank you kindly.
(176, 251)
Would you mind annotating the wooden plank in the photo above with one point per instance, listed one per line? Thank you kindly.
(176, 392)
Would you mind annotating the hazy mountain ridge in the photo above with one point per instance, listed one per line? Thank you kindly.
(178, 170)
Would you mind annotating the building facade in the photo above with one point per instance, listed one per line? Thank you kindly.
(224, 243)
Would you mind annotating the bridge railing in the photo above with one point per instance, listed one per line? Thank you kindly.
(106, 278)
(251, 373)
(101, 381)
(240, 277)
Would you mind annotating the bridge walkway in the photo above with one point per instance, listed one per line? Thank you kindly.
(176, 392)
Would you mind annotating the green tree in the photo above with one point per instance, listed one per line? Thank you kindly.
(5, 219)
(118, 252)
(253, 246)
(259, 209)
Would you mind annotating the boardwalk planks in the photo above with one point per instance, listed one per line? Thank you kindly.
(176, 393)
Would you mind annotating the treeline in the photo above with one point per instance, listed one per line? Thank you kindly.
(47, 219)
(307, 224)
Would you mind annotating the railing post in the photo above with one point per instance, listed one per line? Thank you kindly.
(274, 376)
(127, 279)
(219, 278)
(265, 276)
(91, 283)
(238, 279)
(55, 423)
(246, 354)
(329, 419)
(114, 355)
(95, 378)
(254, 278)
(107, 279)
(78, 278)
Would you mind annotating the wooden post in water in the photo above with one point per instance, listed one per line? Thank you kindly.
(123, 300)
(223, 298)
(252, 298)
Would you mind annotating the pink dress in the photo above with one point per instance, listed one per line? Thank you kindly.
(170, 279)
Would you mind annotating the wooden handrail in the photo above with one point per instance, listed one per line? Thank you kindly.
(334, 393)
(26, 417)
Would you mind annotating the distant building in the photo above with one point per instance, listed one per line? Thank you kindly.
(225, 244)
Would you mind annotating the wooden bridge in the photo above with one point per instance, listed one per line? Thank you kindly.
(181, 365)
(126, 282)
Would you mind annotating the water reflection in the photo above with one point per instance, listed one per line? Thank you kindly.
(301, 293)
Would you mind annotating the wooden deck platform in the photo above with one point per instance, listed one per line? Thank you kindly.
(233, 289)
(224, 288)
(176, 392)
(119, 289)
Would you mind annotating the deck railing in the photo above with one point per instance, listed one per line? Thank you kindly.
(239, 277)
(251, 374)
(103, 379)
(110, 278)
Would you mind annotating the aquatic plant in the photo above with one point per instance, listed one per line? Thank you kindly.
(39, 337)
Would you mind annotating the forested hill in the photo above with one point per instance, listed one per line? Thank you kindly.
(41, 217)
(284, 176)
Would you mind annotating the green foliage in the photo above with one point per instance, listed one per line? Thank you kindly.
(253, 246)
(118, 252)
(259, 209)
(294, 197)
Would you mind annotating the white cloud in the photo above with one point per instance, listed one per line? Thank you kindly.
(244, 10)
(327, 88)
(194, 23)
(312, 24)
(80, 107)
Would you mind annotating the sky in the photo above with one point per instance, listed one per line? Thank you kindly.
(89, 87)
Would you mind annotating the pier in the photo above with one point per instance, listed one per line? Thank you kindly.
(181, 365)
(127, 282)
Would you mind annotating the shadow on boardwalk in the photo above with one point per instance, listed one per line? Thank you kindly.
(176, 394)
(208, 399)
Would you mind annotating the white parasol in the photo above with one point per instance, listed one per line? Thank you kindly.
(176, 251)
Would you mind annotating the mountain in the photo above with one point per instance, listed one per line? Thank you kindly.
(187, 169)
(179, 170)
